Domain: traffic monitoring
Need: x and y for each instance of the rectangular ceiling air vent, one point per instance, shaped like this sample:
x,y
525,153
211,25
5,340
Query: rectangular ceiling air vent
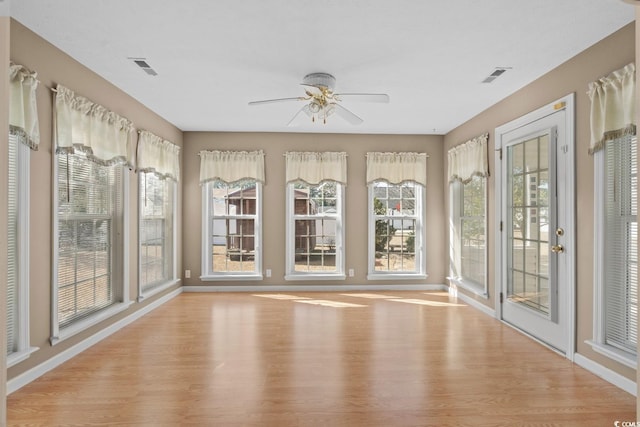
x,y
142,63
496,73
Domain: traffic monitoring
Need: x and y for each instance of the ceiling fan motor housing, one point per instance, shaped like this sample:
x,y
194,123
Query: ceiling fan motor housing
x,y
320,80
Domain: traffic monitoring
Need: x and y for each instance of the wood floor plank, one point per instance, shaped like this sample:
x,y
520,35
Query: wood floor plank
x,y
232,359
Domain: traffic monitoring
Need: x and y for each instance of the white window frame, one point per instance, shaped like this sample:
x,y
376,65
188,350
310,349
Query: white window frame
x,y
598,343
456,210
290,273
419,242
172,280
208,274
24,349
120,274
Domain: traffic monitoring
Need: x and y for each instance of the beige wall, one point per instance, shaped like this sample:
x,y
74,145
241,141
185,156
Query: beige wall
x,y
274,146
4,156
53,67
573,76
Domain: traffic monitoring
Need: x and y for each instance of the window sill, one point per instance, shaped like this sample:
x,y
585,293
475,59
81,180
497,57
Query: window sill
x,y
20,356
470,286
157,289
90,321
300,276
613,353
227,277
397,276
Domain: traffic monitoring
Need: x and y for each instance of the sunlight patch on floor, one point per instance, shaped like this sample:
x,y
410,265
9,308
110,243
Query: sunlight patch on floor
x,y
370,296
327,303
280,296
430,303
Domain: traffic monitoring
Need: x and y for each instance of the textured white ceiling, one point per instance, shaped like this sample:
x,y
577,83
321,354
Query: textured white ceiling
x,y
213,57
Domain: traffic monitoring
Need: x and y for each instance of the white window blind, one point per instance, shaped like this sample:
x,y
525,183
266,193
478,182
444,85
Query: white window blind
x,y
89,205
12,243
156,230
621,244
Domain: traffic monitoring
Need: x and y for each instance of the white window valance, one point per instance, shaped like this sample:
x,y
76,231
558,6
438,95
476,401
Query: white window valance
x,y
613,101
314,168
231,166
469,159
90,128
158,156
23,111
397,168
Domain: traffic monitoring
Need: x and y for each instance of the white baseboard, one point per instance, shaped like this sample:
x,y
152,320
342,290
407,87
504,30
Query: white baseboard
x,y
314,288
607,374
472,302
26,377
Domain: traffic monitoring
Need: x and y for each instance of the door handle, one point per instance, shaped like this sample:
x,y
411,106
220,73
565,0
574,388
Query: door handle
x,y
557,249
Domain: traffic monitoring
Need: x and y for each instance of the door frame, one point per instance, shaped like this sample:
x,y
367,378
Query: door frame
x,y
568,104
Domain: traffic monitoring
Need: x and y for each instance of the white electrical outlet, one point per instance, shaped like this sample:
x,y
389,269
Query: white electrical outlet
x,y
268,272
352,272
187,274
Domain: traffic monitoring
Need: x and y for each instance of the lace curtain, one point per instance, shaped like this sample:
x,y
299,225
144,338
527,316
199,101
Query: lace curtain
x,y
468,160
90,128
158,156
397,167
313,168
612,107
231,166
23,111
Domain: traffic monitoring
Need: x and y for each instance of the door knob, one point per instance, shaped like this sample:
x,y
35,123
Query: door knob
x,y
557,249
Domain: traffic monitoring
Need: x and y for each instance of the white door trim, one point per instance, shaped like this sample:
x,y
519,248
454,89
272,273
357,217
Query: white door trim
x,y
568,104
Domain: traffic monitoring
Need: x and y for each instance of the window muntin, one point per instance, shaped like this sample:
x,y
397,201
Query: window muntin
x,y
156,208
233,228
396,228
89,212
315,239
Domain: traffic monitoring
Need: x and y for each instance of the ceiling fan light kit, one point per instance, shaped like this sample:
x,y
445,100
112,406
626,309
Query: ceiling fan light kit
x,y
323,102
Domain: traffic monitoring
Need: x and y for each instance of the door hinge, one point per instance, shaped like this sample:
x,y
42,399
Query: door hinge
x,y
500,153
500,225
501,299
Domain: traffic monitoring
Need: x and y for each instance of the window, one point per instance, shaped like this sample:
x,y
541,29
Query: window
x,y
90,220
396,206
24,133
18,251
233,246
468,238
614,145
617,282
315,232
467,170
91,232
396,229
157,232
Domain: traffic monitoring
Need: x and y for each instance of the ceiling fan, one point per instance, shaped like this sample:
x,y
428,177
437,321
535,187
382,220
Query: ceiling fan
x,y
323,101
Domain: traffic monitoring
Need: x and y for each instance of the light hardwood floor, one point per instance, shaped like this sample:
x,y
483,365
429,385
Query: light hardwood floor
x,y
229,359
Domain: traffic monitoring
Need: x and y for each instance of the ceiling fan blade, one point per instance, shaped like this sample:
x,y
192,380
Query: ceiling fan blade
x,y
364,97
305,110
347,115
271,101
